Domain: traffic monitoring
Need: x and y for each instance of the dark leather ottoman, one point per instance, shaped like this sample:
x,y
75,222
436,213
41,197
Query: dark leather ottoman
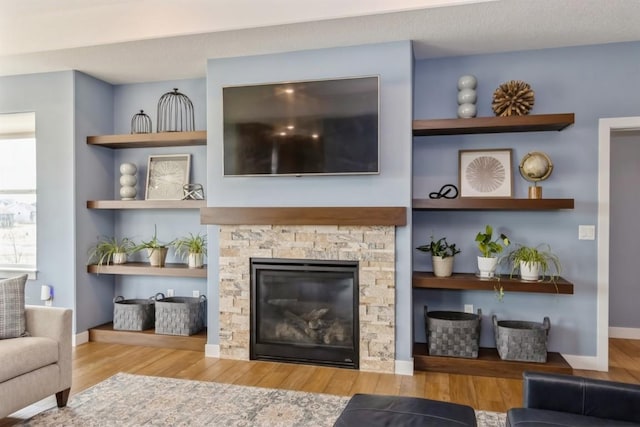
x,y
376,411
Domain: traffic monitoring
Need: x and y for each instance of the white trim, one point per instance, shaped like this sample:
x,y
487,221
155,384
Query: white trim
x,y
404,367
590,363
625,333
605,127
81,338
212,350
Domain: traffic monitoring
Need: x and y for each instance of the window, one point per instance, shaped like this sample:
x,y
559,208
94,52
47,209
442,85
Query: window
x,y
17,194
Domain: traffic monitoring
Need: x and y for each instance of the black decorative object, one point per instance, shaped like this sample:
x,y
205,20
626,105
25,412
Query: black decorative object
x,y
141,123
445,192
175,113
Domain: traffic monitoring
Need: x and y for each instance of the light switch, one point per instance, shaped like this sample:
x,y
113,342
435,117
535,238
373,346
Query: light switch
x,y
586,232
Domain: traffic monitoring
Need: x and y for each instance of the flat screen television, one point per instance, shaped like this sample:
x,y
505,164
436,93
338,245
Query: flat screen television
x,y
302,128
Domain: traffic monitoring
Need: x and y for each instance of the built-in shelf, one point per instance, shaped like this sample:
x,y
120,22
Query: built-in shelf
x,y
106,334
470,203
487,364
304,216
477,125
470,282
145,269
146,204
147,140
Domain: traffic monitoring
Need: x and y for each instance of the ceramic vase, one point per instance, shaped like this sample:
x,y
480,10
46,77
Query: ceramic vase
x,y
530,271
195,260
157,256
487,266
442,267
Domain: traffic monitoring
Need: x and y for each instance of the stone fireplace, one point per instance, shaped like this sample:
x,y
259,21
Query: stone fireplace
x,y
372,247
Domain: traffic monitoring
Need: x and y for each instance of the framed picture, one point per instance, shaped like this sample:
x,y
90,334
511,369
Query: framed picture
x,y
166,175
485,173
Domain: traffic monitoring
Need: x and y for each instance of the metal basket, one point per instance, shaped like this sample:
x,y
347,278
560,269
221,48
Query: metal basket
x,y
180,315
521,341
133,314
453,333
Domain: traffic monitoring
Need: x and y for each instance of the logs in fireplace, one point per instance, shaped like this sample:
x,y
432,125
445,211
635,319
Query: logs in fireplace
x,y
305,311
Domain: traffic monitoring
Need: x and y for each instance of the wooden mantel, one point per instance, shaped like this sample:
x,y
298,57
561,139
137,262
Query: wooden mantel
x,y
387,215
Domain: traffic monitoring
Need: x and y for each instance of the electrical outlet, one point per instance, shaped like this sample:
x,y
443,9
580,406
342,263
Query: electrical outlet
x,y
196,294
468,308
586,232
169,292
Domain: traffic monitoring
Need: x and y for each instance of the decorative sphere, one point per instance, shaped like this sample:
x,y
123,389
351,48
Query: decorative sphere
x,y
467,82
466,111
467,96
536,166
128,180
127,193
128,169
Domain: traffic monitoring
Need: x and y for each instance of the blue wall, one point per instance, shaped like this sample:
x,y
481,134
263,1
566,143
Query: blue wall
x,y
393,63
591,81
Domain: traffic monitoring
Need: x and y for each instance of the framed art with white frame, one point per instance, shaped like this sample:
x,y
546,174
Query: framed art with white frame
x,y
167,174
485,173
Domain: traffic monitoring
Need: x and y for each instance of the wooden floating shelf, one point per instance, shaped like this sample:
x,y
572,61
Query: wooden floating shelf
x,y
470,282
304,216
146,204
148,140
477,125
487,364
471,203
144,269
105,333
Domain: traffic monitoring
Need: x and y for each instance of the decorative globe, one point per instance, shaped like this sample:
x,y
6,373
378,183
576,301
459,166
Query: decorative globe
x,y
536,166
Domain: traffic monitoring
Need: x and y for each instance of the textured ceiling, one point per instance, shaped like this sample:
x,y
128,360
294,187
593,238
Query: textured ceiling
x,y
470,28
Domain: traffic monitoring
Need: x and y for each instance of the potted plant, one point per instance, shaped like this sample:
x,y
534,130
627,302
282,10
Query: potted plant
x,y
489,249
156,251
534,262
442,255
111,250
193,247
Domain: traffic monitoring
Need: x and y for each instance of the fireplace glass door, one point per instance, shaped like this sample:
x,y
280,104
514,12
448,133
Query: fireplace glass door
x,y
305,311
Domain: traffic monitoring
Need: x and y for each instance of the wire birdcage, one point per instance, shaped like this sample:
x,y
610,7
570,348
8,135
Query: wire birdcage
x,y
175,113
141,123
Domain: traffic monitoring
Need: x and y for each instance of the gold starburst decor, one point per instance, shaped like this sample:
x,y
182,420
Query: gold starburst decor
x,y
513,98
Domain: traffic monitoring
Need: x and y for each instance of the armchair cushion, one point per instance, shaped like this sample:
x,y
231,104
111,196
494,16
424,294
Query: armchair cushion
x,y
12,317
20,356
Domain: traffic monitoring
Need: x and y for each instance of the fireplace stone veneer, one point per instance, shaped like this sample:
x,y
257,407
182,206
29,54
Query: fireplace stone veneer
x,y
372,246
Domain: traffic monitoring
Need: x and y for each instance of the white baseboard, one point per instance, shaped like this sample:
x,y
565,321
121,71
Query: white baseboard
x,y
212,350
589,363
81,338
404,367
626,333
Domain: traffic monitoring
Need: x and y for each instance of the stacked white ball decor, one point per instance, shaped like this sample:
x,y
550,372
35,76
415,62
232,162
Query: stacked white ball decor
x,y
467,96
128,181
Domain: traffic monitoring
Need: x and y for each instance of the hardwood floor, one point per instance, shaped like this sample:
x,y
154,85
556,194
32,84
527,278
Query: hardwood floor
x,y
94,362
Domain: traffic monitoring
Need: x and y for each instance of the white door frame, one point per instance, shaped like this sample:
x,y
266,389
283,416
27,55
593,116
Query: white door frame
x,y
606,126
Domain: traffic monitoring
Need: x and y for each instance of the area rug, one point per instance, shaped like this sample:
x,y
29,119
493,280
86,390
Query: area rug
x,y
136,400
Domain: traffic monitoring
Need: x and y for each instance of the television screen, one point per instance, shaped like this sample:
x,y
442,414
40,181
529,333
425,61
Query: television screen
x,y
302,128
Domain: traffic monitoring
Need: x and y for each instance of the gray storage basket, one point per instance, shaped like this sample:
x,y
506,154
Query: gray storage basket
x,y
180,315
521,341
453,333
133,314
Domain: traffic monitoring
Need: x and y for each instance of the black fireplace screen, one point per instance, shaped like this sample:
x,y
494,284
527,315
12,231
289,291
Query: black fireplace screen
x,y
305,311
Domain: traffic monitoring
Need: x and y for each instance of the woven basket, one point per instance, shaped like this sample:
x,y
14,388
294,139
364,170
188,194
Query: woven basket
x,y
180,315
133,314
521,341
453,333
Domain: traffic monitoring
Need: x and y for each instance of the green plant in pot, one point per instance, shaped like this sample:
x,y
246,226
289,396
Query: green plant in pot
x,y
193,248
156,250
111,251
534,263
442,255
489,248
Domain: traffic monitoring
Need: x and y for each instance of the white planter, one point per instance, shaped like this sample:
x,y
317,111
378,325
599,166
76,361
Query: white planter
x,y
119,258
195,260
530,271
157,256
442,267
487,266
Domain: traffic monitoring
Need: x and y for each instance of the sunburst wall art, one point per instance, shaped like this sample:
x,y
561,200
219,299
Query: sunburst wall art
x,y
485,173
